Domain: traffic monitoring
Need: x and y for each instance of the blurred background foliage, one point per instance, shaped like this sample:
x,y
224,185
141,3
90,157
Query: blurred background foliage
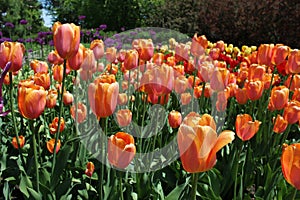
x,y
234,21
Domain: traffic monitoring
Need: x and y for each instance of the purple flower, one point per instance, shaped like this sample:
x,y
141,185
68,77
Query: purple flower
x,y
9,24
29,40
88,32
103,26
3,74
29,50
51,43
21,40
81,17
109,42
1,34
23,21
122,28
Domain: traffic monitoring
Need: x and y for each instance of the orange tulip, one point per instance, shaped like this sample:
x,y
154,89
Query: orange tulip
x,y
98,48
51,98
181,52
21,140
68,98
241,95
245,127
296,95
39,66
90,167
144,47
58,72
103,98
124,117
89,62
54,58
111,54
54,125
11,52
254,89
75,61
219,79
293,63
280,53
66,38
81,112
50,145
280,124
42,79
279,98
131,59
221,103
199,44
174,119
154,99
122,99
295,82
158,80
264,54
291,112
256,72
198,144
158,58
121,149
31,99
290,159
185,98
180,84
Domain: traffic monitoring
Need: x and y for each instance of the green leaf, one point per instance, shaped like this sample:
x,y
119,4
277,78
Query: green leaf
x,y
177,190
61,162
34,194
25,183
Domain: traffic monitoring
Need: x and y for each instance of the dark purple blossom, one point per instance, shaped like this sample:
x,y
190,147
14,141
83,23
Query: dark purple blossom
x,y
81,17
88,32
21,40
23,21
9,24
103,26
29,50
51,43
29,40
5,39
1,34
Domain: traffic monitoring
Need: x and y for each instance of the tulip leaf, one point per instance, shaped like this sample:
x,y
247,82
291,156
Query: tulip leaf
x,y
61,162
34,194
25,183
176,192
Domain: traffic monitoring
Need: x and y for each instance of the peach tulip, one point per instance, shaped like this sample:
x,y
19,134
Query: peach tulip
x,y
245,127
121,149
98,48
124,117
11,52
174,119
198,144
66,38
31,99
81,112
290,159
39,66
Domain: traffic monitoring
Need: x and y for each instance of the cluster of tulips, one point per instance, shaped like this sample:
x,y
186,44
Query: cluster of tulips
x,y
263,84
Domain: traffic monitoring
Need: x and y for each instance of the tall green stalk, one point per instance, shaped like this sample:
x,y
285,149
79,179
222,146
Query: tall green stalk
x,y
35,156
194,186
59,115
11,98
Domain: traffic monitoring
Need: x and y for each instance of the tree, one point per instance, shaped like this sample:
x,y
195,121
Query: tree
x,y
13,11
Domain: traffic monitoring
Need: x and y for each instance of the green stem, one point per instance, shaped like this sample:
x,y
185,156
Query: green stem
x,y
59,115
13,116
236,171
294,194
194,186
35,156
121,186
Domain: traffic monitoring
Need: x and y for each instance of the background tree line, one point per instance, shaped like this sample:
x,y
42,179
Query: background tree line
x,y
234,21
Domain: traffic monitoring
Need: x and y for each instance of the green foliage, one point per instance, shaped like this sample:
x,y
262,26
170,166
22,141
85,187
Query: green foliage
x,y
14,11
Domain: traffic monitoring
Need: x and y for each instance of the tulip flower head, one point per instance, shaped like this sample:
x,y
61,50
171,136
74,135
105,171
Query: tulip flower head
x,y
121,149
90,167
21,140
290,159
245,127
198,142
